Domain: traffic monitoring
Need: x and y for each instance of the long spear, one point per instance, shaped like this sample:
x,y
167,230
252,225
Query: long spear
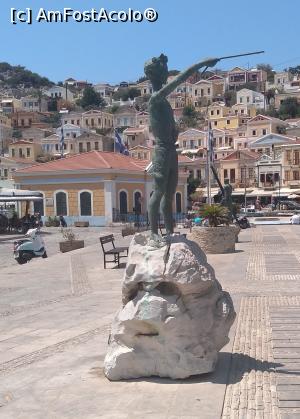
x,y
241,55
209,164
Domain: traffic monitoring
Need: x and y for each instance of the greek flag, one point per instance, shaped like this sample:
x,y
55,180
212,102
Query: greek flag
x,y
211,144
62,141
119,146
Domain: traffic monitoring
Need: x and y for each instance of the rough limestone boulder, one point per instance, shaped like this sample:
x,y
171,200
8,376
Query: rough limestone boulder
x,y
175,316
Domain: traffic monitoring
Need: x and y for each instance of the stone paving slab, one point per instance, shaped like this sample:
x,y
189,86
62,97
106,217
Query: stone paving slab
x,y
55,316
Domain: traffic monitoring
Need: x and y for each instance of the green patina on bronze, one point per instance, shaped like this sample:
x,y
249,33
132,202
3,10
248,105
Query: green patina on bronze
x,y
227,197
165,160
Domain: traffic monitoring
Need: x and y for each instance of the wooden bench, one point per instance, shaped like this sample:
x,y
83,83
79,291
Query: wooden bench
x,y
114,251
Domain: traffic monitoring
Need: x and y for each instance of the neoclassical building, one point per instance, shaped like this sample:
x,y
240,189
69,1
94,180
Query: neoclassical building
x,y
96,186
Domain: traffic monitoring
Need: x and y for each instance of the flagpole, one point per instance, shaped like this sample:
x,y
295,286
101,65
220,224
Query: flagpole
x,y
208,170
62,143
208,175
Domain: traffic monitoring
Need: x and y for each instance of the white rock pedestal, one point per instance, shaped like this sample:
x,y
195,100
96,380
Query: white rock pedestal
x,y
175,316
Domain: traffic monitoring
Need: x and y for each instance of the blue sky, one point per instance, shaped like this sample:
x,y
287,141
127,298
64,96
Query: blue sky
x,y
186,31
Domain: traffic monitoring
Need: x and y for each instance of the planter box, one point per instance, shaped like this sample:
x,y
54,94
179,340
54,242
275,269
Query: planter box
x,y
52,224
68,246
81,224
213,240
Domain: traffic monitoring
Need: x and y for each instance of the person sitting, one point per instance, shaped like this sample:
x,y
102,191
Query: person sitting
x,y
62,221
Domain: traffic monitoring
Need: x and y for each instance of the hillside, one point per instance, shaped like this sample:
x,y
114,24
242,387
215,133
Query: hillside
x,y
14,77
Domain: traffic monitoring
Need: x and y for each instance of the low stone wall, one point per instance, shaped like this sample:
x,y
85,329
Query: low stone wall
x,y
215,239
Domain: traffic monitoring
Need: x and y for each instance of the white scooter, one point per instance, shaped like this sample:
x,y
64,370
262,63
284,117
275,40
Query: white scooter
x,y
30,247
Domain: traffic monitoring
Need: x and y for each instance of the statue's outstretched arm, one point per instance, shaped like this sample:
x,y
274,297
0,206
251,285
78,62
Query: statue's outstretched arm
x,y
184,75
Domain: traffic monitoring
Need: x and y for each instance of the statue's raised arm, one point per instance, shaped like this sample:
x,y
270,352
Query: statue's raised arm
x,y
184,75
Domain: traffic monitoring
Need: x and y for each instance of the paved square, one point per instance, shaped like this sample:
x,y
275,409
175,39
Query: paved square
x,y
55,316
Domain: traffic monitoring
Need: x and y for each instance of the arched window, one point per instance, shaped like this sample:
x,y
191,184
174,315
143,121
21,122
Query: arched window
x,y
85,203
137,199
61,203
123,202
178,202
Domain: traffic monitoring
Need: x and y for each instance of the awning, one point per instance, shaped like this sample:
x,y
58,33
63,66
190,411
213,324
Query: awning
x,y
261,192
249,193
20,199
191,151
17,195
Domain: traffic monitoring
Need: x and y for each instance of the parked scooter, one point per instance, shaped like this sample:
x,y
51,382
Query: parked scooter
x,y
31,247
243,222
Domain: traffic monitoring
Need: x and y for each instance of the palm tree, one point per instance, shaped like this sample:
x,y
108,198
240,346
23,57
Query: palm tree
x,y
216,214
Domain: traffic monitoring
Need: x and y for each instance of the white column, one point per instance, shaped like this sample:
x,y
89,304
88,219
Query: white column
x,y
110,199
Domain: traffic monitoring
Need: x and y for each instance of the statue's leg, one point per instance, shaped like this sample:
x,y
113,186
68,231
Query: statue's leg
x,y
160,178
167,199
154,205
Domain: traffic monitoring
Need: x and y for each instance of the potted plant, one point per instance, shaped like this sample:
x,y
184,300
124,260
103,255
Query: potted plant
x,y
217,236
52,222
70,242
48,222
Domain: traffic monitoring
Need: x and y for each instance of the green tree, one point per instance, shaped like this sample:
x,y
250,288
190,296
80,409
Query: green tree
x,y
133,92
16,133
192,185
113,109
290,108
126,93
270,94
268,69
189,116
52,105
141,79
281,130
54,119
91,99
230,98
293,70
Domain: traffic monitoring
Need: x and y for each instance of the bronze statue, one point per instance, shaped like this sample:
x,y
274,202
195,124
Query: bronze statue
x,y
227,197
165,160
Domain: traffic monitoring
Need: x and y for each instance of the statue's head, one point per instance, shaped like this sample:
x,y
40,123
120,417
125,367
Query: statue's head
x,y
156,70
226,181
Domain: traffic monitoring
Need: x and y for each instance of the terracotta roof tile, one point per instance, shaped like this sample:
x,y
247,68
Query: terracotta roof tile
x,y
238,154
89,161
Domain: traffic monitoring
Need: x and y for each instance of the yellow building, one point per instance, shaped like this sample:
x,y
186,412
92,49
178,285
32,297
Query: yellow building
x,y
220,116
262,125
228,122
99,187
23,149
290,160
91,119
240,168
141,152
